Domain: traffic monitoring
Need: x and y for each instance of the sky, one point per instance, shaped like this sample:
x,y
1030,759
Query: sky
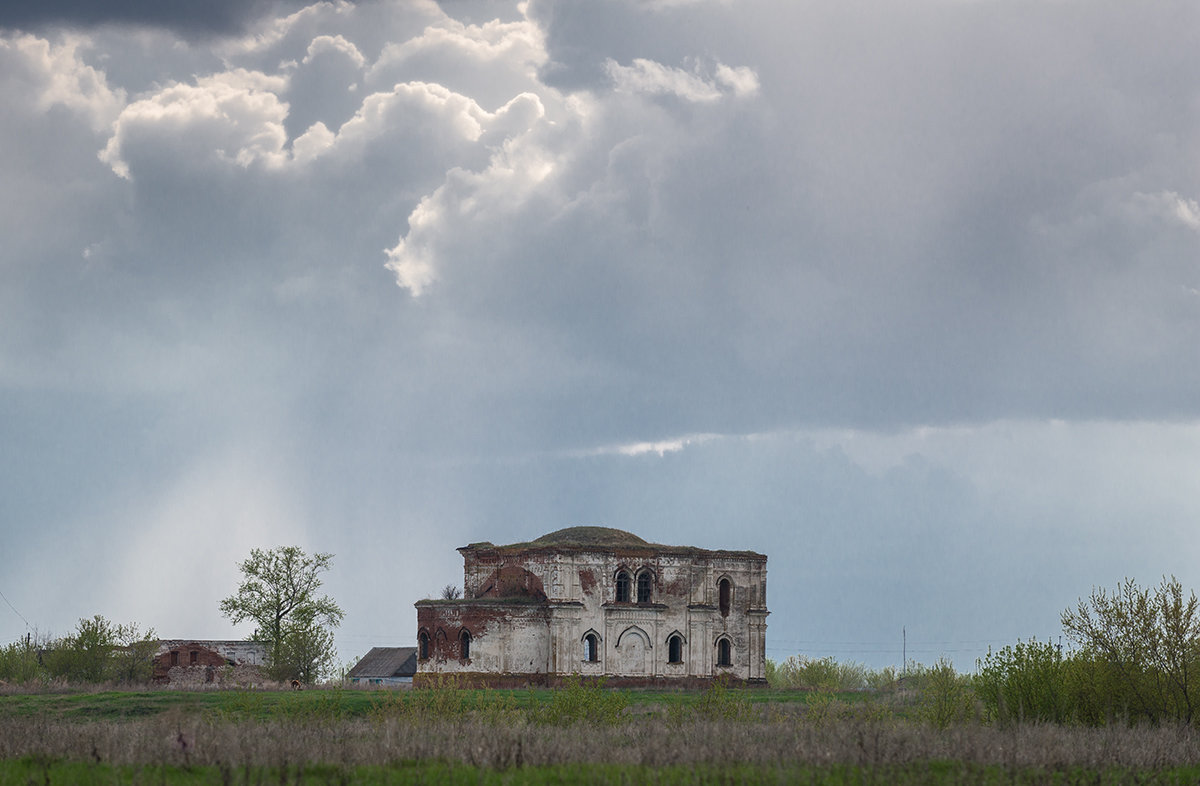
x,y
905,296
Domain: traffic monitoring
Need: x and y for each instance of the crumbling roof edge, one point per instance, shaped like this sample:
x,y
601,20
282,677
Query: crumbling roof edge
x,y
533,547
524,600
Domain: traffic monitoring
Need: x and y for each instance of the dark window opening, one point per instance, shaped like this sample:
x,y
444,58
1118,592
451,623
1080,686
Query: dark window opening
x,y
643,586
193,657
464,645
675,649
423,645
591,648
724,653
175,658
622,587
725,596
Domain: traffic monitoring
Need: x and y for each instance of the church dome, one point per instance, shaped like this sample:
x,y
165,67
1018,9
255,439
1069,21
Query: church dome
x,y
605,537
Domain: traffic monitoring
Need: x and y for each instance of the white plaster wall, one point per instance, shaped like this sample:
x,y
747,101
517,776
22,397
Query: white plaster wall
x,y
684,600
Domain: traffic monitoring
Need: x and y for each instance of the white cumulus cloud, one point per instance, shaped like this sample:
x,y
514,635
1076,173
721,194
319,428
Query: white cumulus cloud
x,y
235,116
650,77
60,77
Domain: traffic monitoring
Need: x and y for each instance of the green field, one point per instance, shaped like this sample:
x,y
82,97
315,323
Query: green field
x,y
336,702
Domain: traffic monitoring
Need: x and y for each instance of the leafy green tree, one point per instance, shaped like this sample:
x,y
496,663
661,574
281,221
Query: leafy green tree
x,y
133,654
101,651
84,655
1150,638
279,594
306,651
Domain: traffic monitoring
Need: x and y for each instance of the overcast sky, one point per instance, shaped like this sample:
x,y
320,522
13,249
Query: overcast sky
x,y
904,295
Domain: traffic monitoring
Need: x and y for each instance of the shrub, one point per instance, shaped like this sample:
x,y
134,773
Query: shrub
x,y
20,664
944,697
581,700
1025,681
806,673
721,703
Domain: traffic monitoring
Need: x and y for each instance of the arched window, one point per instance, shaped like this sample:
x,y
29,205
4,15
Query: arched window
x,y
724,595
675,648
724,653
423,645
591,648
464,645
622,587
644,581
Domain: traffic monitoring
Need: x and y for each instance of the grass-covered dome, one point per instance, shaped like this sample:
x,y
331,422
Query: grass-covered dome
x,y
590,536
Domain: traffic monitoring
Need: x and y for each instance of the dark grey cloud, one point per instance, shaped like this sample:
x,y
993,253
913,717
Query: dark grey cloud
x,y
188,18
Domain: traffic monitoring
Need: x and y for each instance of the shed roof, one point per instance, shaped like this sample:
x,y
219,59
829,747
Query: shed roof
x,y
383,662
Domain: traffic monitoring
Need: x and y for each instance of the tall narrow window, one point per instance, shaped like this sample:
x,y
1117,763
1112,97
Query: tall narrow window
x,y
174,657
724,653
591,648
193,657
724,596
622,587
675,648
423,645
643,586
464,645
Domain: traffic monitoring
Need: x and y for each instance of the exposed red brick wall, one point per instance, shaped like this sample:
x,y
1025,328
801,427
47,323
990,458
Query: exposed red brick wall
x,y
513,581
204,657
587,581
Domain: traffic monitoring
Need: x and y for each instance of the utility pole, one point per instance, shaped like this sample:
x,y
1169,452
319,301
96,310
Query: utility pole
x,y
904,652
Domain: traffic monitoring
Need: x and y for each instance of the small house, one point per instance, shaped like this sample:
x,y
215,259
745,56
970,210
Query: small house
x,y
385,666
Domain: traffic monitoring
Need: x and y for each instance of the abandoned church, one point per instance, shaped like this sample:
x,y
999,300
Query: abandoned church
x,y
601,602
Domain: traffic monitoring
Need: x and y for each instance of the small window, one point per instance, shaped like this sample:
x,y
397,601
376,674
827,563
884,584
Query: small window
x,y
193,657
464,645
591,648
423,645
724,653
643,586
724,596
174,657
675,648
622,587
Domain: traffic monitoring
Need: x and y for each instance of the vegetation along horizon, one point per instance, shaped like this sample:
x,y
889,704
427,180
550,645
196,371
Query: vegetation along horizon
x,y
1118,705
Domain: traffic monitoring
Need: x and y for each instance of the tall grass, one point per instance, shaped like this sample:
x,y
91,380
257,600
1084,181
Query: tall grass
x,y
761,740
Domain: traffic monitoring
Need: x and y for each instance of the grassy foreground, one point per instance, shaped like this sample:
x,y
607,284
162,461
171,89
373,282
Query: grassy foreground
x,y
579,734
33,771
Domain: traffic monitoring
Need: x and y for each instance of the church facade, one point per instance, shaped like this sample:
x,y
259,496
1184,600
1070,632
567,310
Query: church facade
x,y
599,602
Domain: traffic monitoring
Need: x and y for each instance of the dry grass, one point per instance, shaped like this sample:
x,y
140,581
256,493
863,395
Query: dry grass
x,y
176,738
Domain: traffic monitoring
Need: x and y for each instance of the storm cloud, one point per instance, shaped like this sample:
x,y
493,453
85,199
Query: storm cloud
x,y
184,17
905,297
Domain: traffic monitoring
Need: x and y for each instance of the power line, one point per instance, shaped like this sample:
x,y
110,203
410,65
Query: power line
x,y
14,608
